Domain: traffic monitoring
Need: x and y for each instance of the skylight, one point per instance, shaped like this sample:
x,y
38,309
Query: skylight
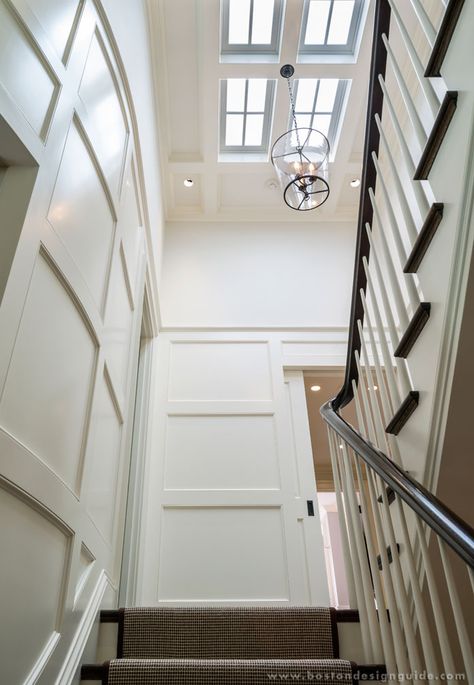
x,y
250,27
319,105
330,26
246,106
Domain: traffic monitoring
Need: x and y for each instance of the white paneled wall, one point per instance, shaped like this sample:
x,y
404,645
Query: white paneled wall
x,y
70,322
231,470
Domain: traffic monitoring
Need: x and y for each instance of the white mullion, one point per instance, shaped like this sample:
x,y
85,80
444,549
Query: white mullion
x,y
244,127
250,22
329,23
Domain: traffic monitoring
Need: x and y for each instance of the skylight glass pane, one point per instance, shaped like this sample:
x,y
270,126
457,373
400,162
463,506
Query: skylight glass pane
x,y
305,94
318,14
340,22
254,129
326,94
304,120
321,123
256,95
235,95
239,20
234,128
262,22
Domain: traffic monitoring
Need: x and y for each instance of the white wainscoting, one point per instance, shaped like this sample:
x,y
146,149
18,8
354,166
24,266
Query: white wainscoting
x,y
70,318
230,472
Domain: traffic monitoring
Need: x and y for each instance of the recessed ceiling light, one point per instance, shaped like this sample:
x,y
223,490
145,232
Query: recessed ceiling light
x,y
355,183
315,388
341,447
188,182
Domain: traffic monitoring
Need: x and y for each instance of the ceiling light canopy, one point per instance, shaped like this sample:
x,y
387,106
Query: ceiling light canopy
x,y
300,157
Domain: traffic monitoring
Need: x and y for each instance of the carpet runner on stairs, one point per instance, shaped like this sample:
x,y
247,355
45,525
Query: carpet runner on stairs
x,y
225,646
227,671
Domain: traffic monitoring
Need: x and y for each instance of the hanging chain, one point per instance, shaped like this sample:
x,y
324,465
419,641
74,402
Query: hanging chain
x,y
293,113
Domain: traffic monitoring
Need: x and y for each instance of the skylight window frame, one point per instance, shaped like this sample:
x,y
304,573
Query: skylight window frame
x,y
336,112
249,49
267,120
342,49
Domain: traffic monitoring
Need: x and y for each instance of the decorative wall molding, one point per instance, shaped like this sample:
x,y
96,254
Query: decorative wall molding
x,y
73,658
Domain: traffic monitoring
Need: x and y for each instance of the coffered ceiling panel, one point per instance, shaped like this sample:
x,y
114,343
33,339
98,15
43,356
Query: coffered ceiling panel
x,y
190,70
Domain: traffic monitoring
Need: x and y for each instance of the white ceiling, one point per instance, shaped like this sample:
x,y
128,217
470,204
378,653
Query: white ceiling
x,y
185,42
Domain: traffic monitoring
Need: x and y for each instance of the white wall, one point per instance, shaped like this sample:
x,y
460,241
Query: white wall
x,y
70,324
230,469
257,274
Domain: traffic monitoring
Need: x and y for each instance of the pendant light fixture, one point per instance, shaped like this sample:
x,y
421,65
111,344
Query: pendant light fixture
x,y
300,157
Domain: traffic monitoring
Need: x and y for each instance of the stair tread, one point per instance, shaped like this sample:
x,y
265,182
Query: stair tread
x,y
224,671
223,632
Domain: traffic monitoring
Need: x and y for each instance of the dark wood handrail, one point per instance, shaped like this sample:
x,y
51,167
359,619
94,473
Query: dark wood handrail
x,y
451,528
368,180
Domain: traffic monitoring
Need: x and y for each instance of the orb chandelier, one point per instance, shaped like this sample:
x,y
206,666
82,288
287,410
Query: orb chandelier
x,y
300,157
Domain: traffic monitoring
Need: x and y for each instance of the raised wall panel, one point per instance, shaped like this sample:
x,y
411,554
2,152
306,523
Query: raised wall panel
x,y
57,19
118,322
204,549
102,460
99,94
223,371
46,393
32,574
22,73
81,216
221,452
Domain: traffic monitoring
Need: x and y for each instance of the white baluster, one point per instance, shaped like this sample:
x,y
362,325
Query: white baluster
x,y
360,417
406,212
425,22
343,527
425,84
362,388
347,475
387,406
443,638
463,633
418,187
422,619
413,115
408,279
471,577
366,380
395,623
400,306
393,389
397,574
402,371
355,564
420,611
386,635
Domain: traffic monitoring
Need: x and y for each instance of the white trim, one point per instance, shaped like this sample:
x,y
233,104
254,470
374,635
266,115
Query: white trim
x,y
40,664
78,644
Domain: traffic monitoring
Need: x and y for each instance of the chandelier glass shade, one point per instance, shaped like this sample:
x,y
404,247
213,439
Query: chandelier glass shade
x,y
300,158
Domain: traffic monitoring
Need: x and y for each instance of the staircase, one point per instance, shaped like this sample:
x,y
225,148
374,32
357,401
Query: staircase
x,y
409,559
201,645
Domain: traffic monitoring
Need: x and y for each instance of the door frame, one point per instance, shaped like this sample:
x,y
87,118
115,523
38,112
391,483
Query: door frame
x,y
128,588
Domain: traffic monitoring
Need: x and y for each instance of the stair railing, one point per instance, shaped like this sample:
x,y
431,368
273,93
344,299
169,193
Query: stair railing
x,y
400,542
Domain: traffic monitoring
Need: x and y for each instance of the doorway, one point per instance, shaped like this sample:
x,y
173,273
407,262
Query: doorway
x,y
321,386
